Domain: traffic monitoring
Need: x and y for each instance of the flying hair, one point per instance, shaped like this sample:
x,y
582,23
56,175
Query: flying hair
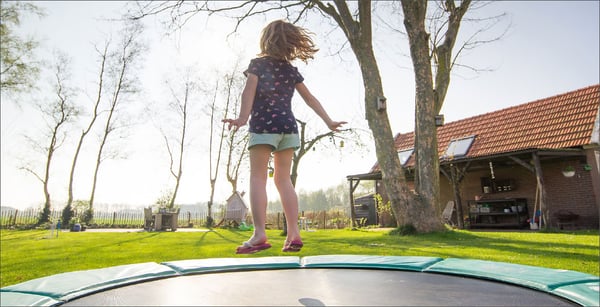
x,y
285,41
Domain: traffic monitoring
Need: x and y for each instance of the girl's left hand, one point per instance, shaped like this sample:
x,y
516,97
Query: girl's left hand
x,y
335,126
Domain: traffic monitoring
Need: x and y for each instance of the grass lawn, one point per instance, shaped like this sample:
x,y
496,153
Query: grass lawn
x,y
30,254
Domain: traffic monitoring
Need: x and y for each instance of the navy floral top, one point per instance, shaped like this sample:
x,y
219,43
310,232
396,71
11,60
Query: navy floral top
x,y
272,108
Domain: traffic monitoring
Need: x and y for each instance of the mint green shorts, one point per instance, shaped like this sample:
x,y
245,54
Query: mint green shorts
x,y
277,141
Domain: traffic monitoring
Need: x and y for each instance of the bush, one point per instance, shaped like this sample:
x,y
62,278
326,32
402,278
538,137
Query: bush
x,y
44,216
67,215
87,216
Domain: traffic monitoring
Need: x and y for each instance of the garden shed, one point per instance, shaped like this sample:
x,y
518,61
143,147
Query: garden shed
x,y
533,162
236,209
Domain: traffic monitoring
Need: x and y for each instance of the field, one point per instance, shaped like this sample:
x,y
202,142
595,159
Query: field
x,y
29,254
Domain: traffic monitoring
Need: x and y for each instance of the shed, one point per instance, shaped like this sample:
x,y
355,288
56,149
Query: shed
x,y
236,209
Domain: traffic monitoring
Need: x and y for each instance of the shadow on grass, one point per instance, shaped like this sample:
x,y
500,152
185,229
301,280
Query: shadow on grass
x,y
219,233
9,235
463,244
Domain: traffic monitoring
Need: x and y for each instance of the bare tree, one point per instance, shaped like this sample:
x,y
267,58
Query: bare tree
x,y
103,54
181,106
306,145
236,142
57,113
430,93
214,173
123,79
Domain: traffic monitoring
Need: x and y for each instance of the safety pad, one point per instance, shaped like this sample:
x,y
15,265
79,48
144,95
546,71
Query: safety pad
x,y
66,286
408,263
26,299
585,294
539,278
232,264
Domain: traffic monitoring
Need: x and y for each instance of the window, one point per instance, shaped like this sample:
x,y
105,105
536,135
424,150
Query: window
x,y
404,155
459,147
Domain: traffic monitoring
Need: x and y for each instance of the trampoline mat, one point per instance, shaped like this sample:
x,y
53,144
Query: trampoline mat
x,y
320,287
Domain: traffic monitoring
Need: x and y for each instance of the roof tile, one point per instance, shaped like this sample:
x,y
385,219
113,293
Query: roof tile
x,y
562,121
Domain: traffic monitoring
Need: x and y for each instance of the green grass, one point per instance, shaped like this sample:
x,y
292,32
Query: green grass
x,y
30,254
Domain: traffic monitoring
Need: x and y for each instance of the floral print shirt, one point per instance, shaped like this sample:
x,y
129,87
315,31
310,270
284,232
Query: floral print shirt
x,y
272,107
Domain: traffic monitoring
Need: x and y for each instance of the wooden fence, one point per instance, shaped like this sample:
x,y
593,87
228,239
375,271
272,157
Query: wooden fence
x,y
331,219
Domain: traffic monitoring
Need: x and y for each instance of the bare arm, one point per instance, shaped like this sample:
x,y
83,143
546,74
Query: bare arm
x,y
314,104
247,102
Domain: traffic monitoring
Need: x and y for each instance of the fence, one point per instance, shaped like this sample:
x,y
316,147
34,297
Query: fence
x,y
331,219
102,219
325,219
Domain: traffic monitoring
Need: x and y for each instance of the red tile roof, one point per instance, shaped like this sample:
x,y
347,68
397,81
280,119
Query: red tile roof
x,y
558,122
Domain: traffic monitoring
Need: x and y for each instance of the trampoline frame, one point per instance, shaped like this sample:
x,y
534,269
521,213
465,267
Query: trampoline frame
x,y
55,290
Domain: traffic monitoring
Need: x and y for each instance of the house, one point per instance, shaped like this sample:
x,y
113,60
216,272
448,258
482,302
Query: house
x,y
534,162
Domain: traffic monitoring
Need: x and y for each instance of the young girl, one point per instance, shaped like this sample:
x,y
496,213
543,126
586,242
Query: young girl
x,y
267,100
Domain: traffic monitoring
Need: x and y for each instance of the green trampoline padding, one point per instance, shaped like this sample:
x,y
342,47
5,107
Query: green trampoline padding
x,y
66,286
406,263
232,264
543,279
577,287
26,299
584,294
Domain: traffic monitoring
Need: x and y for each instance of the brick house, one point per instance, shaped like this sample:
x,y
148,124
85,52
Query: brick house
x,y
514,165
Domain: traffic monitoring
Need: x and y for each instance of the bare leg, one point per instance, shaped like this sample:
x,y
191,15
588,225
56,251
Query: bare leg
x,y
287,193
259,160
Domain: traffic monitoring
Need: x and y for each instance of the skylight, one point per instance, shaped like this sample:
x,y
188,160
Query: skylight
x,y
404,155
459,147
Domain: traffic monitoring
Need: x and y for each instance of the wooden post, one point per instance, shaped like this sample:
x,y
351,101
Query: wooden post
x,y
353,187
539,177
457,199
455,177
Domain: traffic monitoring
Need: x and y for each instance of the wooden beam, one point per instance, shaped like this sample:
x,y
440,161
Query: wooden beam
x,y
524,164
353,187
568,153
445,173
463,171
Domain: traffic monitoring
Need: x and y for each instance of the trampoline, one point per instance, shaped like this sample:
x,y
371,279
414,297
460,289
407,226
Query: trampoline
x,y
327,280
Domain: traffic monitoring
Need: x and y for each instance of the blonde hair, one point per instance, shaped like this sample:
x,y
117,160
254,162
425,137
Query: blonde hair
x,y
285,41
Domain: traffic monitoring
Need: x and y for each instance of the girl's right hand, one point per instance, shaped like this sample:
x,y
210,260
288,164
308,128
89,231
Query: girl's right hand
x,y
235,123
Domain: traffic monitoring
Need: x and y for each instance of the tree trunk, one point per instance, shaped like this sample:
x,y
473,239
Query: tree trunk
x,y
427,172
404,203
103,57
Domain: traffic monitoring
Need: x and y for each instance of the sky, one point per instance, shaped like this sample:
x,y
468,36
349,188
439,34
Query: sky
x,y
549,47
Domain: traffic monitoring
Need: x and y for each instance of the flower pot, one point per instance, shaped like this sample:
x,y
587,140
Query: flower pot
x,y
568,174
